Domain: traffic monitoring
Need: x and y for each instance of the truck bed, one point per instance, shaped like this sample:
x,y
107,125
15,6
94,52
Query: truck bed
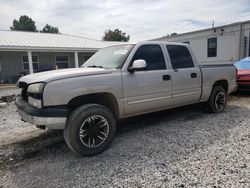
x,y
211,73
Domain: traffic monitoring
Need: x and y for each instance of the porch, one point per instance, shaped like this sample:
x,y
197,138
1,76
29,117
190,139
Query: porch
x,y
18,63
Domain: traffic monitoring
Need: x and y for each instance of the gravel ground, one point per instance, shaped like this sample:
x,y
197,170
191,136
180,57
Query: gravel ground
x,y
12,129
185,147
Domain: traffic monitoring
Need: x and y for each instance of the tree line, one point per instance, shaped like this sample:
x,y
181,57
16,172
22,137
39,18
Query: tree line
x,y
25,23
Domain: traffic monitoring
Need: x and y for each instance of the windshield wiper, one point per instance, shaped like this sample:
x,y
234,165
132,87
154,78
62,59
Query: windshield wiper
x,y
95,66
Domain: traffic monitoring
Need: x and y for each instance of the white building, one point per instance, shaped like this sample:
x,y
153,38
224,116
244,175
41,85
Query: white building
x,y
29,52
223,44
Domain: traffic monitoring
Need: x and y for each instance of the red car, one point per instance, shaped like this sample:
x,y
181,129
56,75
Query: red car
x,y
243,74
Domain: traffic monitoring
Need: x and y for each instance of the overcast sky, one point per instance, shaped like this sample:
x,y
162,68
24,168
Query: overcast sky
x,y
141,19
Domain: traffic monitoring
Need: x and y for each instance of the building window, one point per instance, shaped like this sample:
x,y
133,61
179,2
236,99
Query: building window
x,y
180,57
25,62
85,58
62,62
212,47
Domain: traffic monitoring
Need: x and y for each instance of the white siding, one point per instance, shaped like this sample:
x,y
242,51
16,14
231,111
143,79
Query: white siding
x,y
230,47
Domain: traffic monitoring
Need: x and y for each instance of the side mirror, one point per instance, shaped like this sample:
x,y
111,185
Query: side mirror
x,y
137,65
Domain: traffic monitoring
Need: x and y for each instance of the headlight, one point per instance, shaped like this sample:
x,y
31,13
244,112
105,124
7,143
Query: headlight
x,y
34,93
36,88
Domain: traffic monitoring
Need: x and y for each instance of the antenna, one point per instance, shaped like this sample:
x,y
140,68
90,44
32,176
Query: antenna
x,y
213,24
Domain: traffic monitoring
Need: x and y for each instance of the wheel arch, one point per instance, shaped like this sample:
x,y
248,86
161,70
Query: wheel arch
x,y
223,83
104,98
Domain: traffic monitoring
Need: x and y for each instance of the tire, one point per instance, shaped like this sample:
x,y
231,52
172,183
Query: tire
x,y
90,129
218,100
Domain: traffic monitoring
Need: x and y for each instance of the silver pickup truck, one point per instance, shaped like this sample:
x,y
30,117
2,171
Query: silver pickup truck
x,y
119,82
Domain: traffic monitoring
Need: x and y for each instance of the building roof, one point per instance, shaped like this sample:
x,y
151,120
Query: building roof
x,y
202,30
21,40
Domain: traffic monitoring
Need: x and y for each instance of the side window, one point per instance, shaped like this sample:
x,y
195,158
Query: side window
x,y
180,57
153,56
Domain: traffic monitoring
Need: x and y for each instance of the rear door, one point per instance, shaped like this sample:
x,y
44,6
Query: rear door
x,y
150,89
186,78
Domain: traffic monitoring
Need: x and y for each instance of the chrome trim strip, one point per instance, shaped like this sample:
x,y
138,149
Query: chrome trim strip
x,y
184,94
149,100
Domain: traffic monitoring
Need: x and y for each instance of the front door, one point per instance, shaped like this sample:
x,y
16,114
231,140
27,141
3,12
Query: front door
x,y
150,89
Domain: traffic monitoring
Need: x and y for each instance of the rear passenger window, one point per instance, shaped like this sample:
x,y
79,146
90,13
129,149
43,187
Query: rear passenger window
x,y
180,57
153,56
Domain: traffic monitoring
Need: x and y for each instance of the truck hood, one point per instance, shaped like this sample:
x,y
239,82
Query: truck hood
x,y
62,74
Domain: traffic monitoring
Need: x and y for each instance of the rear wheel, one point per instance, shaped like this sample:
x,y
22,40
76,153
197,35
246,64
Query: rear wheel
x,y
218,100
90,129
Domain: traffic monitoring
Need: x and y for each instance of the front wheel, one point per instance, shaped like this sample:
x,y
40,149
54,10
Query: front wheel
x,y
90,129
218,100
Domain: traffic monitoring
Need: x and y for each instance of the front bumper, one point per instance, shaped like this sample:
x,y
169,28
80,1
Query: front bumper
x,y
52,118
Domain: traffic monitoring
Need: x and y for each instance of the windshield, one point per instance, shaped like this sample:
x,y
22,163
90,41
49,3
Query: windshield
x,y
109,58
243,64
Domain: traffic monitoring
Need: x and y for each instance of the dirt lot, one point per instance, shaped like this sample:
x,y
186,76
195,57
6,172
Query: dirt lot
x,y
184,147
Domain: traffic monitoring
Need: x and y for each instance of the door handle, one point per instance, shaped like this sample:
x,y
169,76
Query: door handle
x,y
166,77
193,75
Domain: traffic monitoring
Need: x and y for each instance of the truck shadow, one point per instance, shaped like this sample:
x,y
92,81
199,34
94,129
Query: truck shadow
x,y
241,93
185,113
